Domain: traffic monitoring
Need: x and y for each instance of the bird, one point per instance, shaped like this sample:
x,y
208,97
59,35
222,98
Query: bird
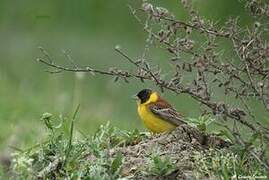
x,y
156,113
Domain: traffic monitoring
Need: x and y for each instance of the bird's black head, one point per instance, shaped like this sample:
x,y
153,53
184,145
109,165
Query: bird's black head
x,y
144,95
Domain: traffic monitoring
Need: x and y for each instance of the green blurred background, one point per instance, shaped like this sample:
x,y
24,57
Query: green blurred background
x,y
89,30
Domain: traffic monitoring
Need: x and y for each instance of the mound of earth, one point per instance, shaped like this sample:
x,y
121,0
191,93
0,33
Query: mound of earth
x,y
180,146
185,153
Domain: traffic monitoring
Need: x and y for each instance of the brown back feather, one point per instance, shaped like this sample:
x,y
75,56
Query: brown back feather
x,y
168,114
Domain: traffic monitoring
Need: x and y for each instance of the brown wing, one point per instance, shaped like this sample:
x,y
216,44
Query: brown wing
x,y
166,112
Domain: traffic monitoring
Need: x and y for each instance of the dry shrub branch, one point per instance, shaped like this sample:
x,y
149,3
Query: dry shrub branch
x,y
238,70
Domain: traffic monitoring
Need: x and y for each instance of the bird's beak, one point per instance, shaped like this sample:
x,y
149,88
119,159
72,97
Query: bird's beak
x,y
134,97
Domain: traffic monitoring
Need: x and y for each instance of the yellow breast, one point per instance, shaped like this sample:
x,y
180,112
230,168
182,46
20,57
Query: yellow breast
x,y
152,122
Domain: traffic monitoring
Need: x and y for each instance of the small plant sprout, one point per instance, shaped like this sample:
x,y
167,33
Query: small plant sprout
x,y
160,165
202,122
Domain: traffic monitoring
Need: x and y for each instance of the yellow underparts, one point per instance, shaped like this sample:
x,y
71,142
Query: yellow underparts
x,y
151,121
